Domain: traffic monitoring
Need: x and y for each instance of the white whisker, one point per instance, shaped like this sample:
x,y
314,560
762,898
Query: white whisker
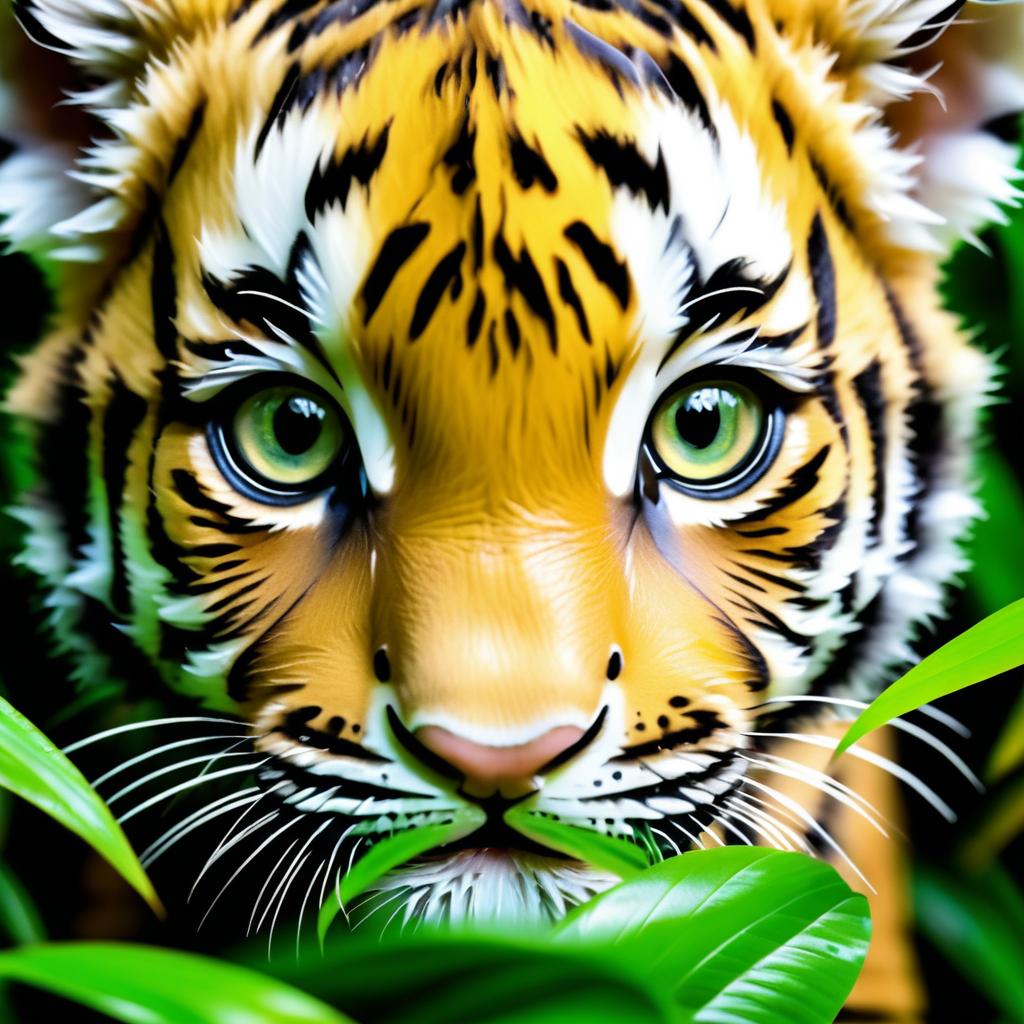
x,y
799,772
925,709
895,770
810,821
293,873
679,828
745,817
248,860
763,813
266,882
96,783
167,770
151,723
290,305
181,787
196,820
671,842
911,730
715,294
304,904
723,819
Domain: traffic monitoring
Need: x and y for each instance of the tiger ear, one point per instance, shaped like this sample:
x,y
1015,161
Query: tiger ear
x,y
947,82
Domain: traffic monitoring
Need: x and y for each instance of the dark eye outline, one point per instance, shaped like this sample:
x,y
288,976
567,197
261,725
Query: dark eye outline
x,y
761,455
249,482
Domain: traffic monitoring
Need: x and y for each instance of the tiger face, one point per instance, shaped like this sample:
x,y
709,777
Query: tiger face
x,y
497,403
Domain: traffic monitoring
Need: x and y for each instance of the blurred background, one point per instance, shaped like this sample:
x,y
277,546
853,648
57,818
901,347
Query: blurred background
x,y
968,877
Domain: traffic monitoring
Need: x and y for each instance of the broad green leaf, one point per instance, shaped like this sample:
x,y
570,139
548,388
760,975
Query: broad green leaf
x,y
19,919
146,985
34,769
619,856
993,646
391,853
736,934
978,923
445,977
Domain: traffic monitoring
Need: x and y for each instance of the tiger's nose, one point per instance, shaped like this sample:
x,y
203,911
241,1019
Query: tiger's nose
x,y
508,770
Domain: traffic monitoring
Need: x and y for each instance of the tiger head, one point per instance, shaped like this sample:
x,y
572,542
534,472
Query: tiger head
x,y
498,402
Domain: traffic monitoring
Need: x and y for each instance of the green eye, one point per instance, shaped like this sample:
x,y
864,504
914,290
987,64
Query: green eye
x,y
284,439
712,434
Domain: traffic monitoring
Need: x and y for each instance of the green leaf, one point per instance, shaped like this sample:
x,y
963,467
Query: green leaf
x,y
619,856
34,769
978,922
19,919
145,985
736,934
441,977
993,646
996,549
394,851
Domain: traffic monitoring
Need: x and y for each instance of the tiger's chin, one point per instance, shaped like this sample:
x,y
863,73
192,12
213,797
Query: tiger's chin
x,y
480,887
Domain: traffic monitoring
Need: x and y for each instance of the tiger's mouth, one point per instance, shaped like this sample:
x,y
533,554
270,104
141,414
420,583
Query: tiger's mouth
x,y
667,791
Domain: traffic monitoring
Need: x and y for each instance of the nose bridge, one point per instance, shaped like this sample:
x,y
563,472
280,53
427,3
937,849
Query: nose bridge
x,y
499,625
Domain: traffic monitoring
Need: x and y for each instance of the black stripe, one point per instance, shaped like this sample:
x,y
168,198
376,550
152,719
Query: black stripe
x,y
277,107
459,157
512,330
570,297
801,482
684,85
447,271
184,146
785,123
286,13
625,166
823,280
530,167
396,250
521,275
123,416
164,294
603,262
737,19
331,183
476,319
868,385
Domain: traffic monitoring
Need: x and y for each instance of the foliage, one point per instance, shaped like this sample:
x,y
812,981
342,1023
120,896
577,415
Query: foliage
x,y
34,769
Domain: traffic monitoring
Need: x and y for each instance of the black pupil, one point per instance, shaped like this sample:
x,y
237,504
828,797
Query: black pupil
x,y
697,425
297,424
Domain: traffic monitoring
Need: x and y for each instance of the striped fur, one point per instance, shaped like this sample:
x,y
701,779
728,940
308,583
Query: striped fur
x,y
494,234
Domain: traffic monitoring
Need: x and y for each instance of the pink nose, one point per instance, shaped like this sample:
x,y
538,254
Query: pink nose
x,y
488,769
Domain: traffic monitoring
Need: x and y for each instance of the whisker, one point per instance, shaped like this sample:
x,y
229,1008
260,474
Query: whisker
x,y
895,770
227,841
330,864
296,859
911,730
266,882
195,820
811,822
715,294
181,787
679,828
390,898
248,860
150,723
671,842
793,770
167,770
925,709
723,819
294,873
304,904
763,813
284,302
771,836
96,783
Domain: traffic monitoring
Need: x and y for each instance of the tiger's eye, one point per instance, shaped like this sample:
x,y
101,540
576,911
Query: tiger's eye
x,y
708,432
287,437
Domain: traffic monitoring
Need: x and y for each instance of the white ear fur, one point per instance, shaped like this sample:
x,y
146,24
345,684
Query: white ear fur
x,y
939,76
